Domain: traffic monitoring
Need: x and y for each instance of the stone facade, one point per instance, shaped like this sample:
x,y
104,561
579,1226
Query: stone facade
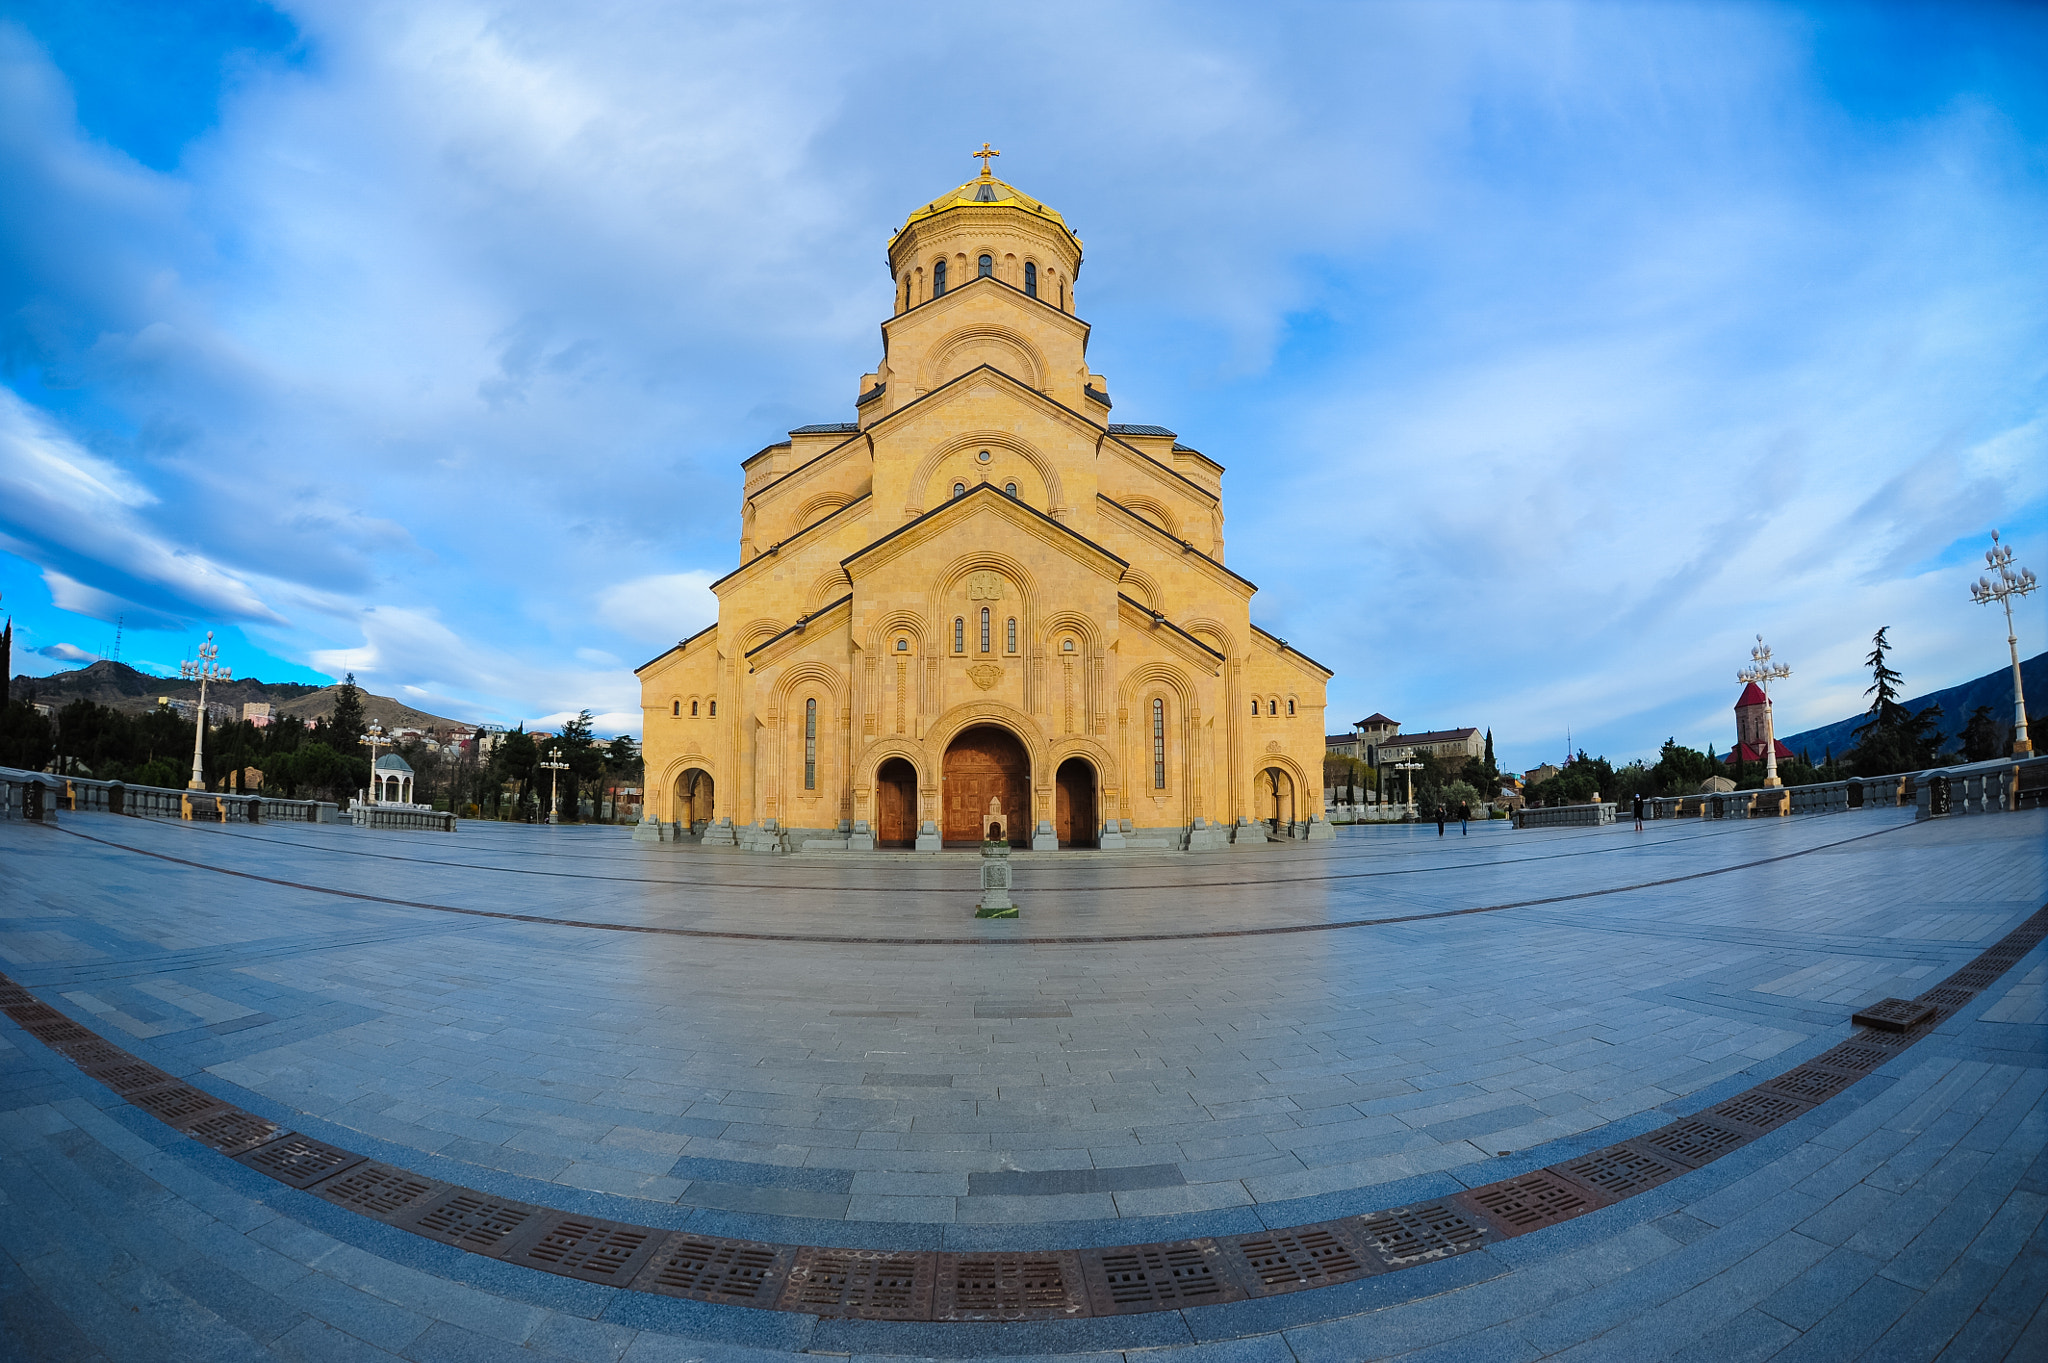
x,y
982,590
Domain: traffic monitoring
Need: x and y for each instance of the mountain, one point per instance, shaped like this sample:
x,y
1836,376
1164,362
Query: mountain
x,y
1957,704
120,687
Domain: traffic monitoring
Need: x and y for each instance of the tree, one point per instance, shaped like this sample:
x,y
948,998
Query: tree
x,y
1893,740
514,760
347,719
1983,737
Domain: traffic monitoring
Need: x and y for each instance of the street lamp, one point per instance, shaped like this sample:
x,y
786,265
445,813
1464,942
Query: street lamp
x,y
374,736
1411,768
1985,591
554,763
1762,671
202,670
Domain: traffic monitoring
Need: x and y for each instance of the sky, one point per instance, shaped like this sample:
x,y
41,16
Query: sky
x,y
1554,351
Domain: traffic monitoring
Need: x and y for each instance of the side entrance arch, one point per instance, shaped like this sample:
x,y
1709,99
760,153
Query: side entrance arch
x,y
693,804
1075,817
896,804
1276,799
986,762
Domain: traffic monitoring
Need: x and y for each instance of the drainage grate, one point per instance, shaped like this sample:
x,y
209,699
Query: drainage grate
x,y
127,1074
1410,1235
176,1104
595,1251
300,1161
232,1131
1948,996
376,1190
1307,1256
1694,1141
58,1031
1861,1056
31,1012
1533,1201
1978,975
88,1055
871,1284
1622,1170
1150,1277
13,996
1759,1109
1893,1015
471,1220
1811,1083
735,1271
1009,1286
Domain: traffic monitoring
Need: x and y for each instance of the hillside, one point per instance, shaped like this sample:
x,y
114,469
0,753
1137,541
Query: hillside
x,y
1957,704
120,687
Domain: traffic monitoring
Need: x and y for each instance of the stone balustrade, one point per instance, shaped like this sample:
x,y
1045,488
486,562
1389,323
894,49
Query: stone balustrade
x,y
1564,816
58,793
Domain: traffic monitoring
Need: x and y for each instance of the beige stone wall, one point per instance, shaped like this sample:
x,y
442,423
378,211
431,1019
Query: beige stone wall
x,y
1098,558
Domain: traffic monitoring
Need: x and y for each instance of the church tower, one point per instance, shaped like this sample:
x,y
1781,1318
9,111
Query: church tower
x,y
980,595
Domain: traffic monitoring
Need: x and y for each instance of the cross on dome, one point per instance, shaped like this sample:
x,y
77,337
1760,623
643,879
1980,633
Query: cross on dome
x,y
985,154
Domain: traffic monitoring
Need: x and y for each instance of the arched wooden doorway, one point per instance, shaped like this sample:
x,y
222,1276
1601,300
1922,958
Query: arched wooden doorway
x,y
984,763
1276,799
1074,818
693,800
896,804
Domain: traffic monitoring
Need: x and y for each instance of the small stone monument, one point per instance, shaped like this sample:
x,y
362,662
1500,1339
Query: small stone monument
x,y
995,875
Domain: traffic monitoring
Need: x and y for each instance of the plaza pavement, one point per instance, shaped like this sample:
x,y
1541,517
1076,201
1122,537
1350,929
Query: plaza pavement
x,y
831,1051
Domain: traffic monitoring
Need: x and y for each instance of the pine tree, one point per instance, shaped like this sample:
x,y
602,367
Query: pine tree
x,y
347,720
1885,712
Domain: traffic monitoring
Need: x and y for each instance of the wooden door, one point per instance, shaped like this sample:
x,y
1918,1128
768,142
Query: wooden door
x,y
986,763
1075,822
896,804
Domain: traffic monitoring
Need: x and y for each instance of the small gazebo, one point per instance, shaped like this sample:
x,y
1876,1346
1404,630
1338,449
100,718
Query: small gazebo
x,y
391,781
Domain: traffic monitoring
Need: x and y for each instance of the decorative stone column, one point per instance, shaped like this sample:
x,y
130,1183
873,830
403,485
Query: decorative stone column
x,y
995,879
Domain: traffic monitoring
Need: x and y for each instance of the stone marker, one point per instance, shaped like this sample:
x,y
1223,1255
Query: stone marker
x,y
995,876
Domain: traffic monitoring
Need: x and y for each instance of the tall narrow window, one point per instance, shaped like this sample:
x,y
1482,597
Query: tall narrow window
x,y
1009,489
938,279
984,629
714,709
1010,636
987,267
959,489
1290,705
1255,705
810,745
693,709
1159,745
959,635
678,710
906,291
1031,279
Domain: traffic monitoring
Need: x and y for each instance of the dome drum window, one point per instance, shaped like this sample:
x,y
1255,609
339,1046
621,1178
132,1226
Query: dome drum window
x,y
939,279
1030,279
810,745
986,267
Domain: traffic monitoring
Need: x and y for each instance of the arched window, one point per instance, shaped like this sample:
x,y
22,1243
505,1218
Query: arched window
x,y
714,709
1255,706
1066,645
987,267
906,291
959,634
1290,705
939,279
1158,745
1272,707
959,489
678,710
693,709
810,745
1010,636
984,629
903,645
1031,279
1009,489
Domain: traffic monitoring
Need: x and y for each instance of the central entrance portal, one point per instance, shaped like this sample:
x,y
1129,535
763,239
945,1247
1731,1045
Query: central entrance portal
x,y
1075,822
986,763
896,804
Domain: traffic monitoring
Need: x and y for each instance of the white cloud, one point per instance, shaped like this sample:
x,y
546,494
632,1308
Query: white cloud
x,y
660,609
68,653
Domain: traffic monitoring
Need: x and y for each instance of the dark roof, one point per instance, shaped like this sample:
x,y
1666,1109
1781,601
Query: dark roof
x,y
1179,448
1118,429
1377,718
1433,736
1332,740
828,428
1089,390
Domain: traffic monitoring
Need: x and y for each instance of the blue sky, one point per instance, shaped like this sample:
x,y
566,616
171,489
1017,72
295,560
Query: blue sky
x,y
1554,350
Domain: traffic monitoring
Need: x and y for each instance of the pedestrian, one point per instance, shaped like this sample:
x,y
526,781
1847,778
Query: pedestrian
x,y
1442,813
1639,811
1464,818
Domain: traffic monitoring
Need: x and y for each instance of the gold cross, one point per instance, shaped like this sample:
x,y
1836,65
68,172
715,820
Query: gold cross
x,y
985,154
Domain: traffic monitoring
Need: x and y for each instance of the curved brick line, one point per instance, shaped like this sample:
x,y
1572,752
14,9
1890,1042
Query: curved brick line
x,y
835,939
946,1286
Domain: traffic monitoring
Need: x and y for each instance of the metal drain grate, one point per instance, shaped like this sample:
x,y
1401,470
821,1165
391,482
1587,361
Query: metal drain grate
x,y
231,1131
871,1284
89,1054
1622,1170
1009,1286
376,1190
595,1251
471,1220
127,1074
1860,1056
1410,1235
1811,1083
300,1161
1949,996
1307,1256
1977,975
31,1012
1759,1109
1694,1141
1150,1277
1533,1201
1893,1015
736,1271
176,1104
58,1032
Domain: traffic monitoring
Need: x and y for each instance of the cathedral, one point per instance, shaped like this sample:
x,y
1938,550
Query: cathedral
x,y
981,608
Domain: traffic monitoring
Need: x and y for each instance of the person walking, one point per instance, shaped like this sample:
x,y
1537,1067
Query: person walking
x,y
1639,811
1464,818
1442,813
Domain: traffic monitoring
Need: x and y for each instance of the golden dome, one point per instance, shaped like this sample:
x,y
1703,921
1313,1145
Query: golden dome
x,y
985,190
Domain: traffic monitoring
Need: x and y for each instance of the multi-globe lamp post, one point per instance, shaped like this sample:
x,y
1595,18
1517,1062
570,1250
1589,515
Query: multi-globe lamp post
x,y
374,736
555,764
2003,589
1411,768
202,670
1763,672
